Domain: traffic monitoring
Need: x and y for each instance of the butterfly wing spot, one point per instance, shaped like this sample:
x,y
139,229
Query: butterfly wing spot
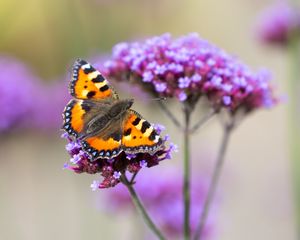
x,y
116,136
154,136
136,121
145,126
127,132
98,79
104,88
91,94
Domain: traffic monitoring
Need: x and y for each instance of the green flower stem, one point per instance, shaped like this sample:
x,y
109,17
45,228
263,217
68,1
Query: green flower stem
x,y
138,204
214,181
203,120
294,117
186,175
133,178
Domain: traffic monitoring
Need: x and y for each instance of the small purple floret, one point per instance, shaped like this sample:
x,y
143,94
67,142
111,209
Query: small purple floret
x,y
95,185
143,163
147,76
160,87
117,175
158,128
184,82
182,96
227,100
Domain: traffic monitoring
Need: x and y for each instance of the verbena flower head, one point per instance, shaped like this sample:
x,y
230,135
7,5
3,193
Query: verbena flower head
x,y
277,22
188,68
18,86
161,193
111,169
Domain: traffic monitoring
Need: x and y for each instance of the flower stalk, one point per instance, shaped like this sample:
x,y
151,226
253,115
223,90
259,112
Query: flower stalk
x,y
203,120
170,115
138,204
294,116
186,173
214,181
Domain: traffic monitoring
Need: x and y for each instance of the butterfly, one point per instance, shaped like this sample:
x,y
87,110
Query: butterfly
x,y
104,124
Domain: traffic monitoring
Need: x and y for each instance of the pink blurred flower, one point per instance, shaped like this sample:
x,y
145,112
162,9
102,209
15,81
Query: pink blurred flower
x,y
277,22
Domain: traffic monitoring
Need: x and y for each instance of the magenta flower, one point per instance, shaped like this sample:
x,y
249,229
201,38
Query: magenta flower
x,y
277,22
18,88
161,193
188,68
111,169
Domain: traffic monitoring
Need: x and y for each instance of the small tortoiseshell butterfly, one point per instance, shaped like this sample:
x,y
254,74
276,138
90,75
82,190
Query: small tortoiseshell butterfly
x,y
104,124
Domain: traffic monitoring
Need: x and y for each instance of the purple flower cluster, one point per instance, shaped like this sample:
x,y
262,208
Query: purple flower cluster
x,y
277,22
188,68
161,193
18,87
25,101
111,169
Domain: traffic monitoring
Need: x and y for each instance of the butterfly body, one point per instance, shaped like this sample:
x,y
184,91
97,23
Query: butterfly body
x,y
107,114
104,124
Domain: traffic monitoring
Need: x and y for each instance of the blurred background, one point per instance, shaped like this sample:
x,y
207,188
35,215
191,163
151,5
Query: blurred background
x,y
40,200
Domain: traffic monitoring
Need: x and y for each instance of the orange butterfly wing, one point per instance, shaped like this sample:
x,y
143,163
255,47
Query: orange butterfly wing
x,y
106,144
135,136
97,147
139,135
88,83
73,117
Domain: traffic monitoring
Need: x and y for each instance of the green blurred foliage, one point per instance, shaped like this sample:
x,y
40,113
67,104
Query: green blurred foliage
x,y
50,34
